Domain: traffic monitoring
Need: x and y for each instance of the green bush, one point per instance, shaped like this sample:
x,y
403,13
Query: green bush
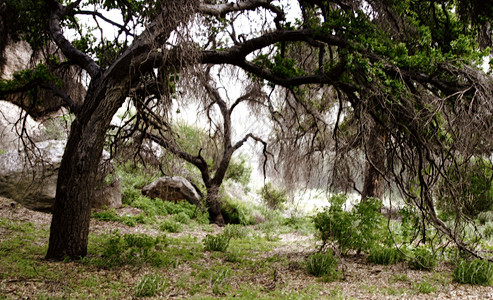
x,y
359,229
474,272
272,197
384,256
323,265
235,212
149,285
473,178
423,259
219,242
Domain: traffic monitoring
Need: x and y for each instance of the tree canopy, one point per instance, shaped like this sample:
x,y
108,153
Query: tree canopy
x,y
405,72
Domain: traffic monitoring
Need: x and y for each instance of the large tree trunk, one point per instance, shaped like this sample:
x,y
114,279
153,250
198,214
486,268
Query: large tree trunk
x,y
373,186
77,175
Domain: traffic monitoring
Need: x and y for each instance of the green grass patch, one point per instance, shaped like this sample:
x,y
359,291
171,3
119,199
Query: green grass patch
x,y
477,271
385,256
323,265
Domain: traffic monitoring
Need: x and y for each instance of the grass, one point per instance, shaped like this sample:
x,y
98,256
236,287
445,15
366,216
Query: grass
x,y
478,272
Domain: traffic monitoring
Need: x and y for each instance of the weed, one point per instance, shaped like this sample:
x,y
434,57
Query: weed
x,y
323,265
170,226
400,277
488,231
182,218
219,242
423,259
384,256
135,249
474,272
149,285
217,281
424,287
236,231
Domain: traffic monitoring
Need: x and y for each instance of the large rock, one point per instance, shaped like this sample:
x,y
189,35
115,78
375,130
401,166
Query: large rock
x,y
172,189
14,121
31,179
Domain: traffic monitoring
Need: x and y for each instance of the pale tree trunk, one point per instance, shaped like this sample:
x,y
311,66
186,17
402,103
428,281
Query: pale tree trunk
x,y
373,186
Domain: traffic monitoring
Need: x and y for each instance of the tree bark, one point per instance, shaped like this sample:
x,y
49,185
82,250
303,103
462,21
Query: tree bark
x,y
214,206
76,178
373,186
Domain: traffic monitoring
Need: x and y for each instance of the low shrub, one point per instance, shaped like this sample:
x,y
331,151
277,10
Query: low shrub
x,y
384,256
359,229
323,265
149,285
477,271
219,242
235,212
423,259
272,197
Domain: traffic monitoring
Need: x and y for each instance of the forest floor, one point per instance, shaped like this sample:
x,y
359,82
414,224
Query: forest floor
x,y
260,266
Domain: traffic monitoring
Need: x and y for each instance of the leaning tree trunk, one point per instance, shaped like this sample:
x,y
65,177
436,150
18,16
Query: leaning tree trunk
x,y
373,185
77,174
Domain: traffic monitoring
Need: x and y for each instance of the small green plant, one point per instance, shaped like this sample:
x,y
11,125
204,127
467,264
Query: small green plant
x,y
219,242
131,249
488,231
149,285
170,226
424,287
400,277
474,272
182,218
235,231
272,197
423,259
323,265
384,256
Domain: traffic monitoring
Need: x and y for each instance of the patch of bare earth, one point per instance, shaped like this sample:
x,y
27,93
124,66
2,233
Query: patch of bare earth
x,y
361,279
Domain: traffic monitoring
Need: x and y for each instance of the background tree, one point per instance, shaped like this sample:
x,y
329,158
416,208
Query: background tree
x,y
213,165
